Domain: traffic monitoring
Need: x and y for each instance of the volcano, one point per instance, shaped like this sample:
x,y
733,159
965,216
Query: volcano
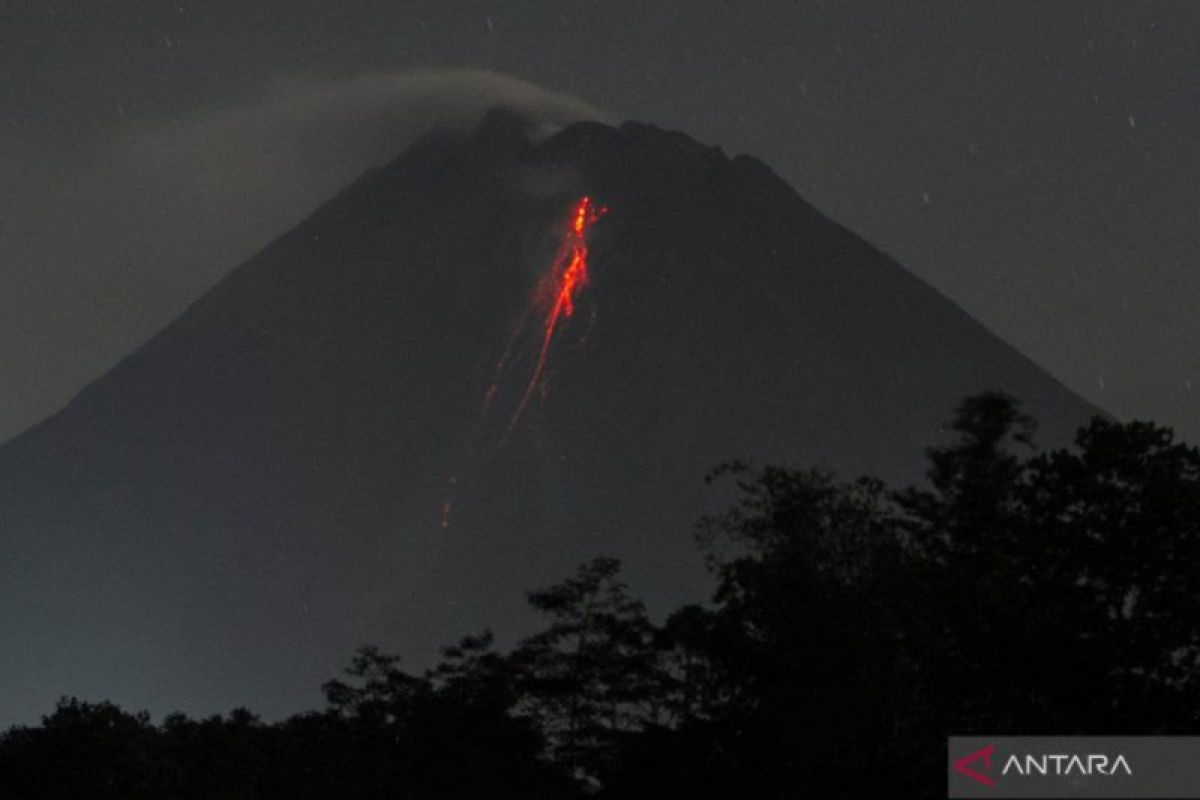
x,y
391,422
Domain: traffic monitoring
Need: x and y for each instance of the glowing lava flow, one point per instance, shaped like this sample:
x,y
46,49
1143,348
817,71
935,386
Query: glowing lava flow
x,y
565,279
553,299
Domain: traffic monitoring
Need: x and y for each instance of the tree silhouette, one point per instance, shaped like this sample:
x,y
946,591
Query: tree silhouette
x,y
853,628
810,610
447,733
592,674
80,750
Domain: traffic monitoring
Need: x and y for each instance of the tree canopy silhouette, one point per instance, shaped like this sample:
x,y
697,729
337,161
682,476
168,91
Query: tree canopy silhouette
x,y
853,628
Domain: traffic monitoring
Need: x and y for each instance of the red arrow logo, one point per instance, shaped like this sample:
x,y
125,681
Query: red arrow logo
x,y
962,768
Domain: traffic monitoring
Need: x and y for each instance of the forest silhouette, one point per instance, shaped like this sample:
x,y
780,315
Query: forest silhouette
x,y
854,627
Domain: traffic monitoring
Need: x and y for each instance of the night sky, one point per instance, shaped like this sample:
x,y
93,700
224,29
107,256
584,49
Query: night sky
x,y
1038,163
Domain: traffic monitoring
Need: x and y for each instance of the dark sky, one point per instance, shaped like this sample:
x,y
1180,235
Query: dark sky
x,y
1037,162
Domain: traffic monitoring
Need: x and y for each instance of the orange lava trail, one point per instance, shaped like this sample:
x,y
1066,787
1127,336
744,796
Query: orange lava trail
x,y
556,292
566,278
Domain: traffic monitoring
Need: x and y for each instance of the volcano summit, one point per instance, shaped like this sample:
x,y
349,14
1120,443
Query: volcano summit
x,y
391,422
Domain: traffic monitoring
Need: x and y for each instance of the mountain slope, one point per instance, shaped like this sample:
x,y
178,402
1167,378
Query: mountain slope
x,y
263,486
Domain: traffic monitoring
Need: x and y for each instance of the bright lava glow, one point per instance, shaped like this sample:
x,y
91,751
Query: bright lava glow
x,y
553,300
567,276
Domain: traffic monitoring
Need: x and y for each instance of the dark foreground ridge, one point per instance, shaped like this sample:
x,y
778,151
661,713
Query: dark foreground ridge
x,y
260,488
